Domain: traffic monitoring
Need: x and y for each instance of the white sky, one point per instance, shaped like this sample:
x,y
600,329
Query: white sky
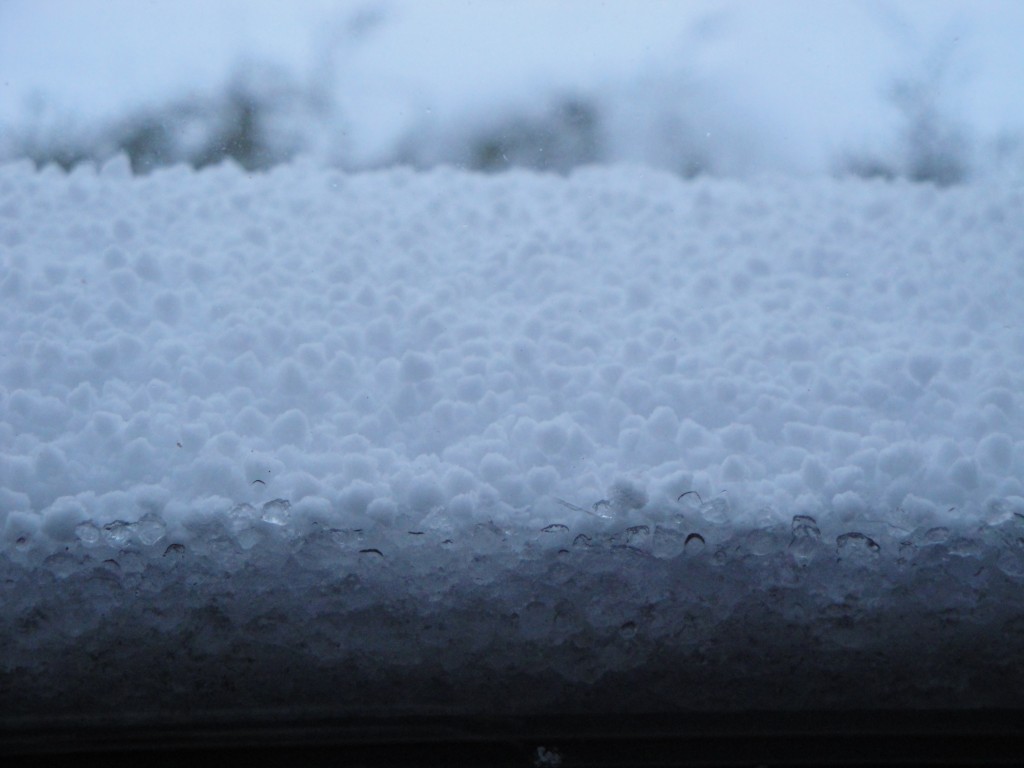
x,y
798,81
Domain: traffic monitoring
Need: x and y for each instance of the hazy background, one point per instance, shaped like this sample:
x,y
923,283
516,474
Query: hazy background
x,y
925,89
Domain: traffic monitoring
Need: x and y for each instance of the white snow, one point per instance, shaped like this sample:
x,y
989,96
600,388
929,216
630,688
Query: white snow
x,y
813,347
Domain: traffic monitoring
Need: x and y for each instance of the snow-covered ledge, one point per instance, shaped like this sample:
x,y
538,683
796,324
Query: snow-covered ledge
x,y
442,441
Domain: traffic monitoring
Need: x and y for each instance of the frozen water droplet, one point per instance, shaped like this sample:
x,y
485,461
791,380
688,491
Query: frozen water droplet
x,y
666,542
803,548
997,512
760,543
486,537
694,544
963,546
276,512
690,498
806,537
241,518
176,551
22,542
906,552
628,630
855,544
61,564
936,535
1012,564
581,540
637,534
805,526
87,533
150,529
248,538
117,533
555,528
715,511
244,511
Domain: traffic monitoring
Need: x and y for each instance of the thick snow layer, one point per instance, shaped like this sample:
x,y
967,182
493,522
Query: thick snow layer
x,y
392,349
582,423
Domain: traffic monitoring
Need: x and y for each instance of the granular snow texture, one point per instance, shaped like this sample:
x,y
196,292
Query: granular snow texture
x,y
439,440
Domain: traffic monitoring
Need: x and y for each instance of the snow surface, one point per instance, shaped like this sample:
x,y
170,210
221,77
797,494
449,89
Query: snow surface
x,y
450,424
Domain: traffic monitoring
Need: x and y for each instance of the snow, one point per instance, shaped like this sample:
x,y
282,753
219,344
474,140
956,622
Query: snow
x,y
433,441
407,426
617,324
